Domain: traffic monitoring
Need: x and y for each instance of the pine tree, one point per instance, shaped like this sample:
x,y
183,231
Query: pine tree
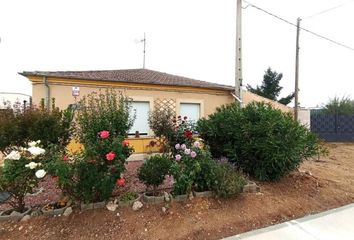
x,y
270,87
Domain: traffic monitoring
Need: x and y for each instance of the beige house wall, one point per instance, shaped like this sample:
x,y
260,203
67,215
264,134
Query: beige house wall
x,y
249,97
208,101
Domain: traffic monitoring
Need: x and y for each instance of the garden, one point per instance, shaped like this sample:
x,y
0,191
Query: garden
x,y
236,170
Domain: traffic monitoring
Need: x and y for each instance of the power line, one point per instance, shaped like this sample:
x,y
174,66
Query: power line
x,y
304,29
328,10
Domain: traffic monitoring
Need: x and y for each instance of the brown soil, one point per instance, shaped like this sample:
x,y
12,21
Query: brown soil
x,y
327,183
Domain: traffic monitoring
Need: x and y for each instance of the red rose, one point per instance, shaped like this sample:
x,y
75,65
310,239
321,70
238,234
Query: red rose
x,y
188,134
110,156
125,143
120,182
104,134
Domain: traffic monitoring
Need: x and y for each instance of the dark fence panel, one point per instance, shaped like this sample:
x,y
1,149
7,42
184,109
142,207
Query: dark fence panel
x,y
333,128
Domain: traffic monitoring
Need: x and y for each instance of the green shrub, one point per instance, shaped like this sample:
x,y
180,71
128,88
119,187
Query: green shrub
x,y
21,125
19,174
154,170
264,142
228,181
171,129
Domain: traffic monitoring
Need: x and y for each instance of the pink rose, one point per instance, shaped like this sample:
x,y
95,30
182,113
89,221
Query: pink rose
x,y
104,134
110,156
193,154
66,158
196,144
178,157
177,146
187,151
183,146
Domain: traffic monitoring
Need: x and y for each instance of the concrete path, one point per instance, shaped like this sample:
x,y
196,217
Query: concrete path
x,y
330,225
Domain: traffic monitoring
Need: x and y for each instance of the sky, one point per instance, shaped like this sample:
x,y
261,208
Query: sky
x,y
190,38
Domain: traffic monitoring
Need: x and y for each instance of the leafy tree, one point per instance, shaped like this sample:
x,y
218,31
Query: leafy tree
x,y
337,105
270,87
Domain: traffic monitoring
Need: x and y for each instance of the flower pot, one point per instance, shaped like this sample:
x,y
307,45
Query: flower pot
x,y
13,215
128,203
153,199
180,198
203,194
96,205
54,211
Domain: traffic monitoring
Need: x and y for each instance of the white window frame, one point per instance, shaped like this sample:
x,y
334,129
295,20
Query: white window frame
x,y
150,100
192,101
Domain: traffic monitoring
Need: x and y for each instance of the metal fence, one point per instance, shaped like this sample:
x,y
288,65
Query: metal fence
x,y
334,127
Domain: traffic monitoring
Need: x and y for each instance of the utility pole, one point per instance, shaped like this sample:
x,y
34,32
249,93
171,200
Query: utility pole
x,y
238,69
144,40
296,107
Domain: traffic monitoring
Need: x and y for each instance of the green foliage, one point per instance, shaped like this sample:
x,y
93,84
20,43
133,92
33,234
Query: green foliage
x,y
228,181
171,128
103,111
341,106
191,169
154,169
18,179
102,123
128,196
20,125
264,142
270,87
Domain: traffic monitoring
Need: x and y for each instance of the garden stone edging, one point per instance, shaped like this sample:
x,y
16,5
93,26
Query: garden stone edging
x,y
180,198
14,215
203,194
251,187
96,205
153,199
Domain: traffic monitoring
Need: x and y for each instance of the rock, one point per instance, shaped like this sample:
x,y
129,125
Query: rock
x,y
112,206
20,228
137,205
118,214
67,212
164,209
26,218
15,214
36,213
167,196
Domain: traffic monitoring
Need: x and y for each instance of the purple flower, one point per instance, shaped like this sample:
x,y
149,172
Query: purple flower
x,y
178,157
193,154
187,151
196,144
177,146
183,146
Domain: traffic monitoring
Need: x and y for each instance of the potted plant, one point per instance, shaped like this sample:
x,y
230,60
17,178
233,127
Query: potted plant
x,y
128,198
57,208
152,173
19,176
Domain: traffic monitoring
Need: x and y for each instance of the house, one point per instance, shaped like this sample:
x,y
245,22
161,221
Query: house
x,y
148,89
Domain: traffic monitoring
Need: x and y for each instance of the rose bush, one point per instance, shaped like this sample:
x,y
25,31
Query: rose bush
x,y
22,170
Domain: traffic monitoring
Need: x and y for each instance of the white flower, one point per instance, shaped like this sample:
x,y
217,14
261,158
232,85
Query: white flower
x,y
32,165
40,173
187,151
36,151
32,144
38,141
183,146
14,155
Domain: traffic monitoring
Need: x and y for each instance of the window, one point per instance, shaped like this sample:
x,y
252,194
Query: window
x,y
191,110
141,110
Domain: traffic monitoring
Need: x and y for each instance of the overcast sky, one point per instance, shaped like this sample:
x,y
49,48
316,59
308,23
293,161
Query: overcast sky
x,y
191,38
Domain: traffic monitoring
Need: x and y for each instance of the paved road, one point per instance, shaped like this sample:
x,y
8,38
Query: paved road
x,y
330,225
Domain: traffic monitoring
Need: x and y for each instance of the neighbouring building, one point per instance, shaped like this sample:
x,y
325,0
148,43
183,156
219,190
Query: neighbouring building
x,y
148,90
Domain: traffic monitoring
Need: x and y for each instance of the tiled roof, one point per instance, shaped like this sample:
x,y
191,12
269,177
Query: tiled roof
x,y
132,76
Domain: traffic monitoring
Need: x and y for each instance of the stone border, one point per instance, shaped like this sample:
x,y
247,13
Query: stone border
x,y
54,212
251,187
153,199
17,216
203,194
96,205
129,203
